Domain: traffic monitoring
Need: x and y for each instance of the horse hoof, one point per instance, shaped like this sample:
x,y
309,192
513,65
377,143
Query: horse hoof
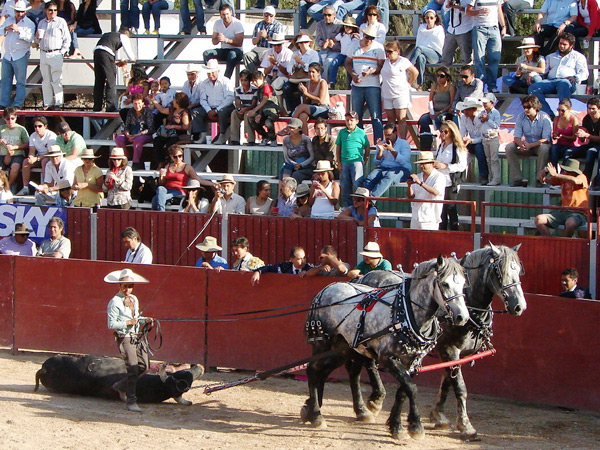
x,y
469,436
375,406
366,417
400,435
416,431
417,436
440,421
441,425
319,423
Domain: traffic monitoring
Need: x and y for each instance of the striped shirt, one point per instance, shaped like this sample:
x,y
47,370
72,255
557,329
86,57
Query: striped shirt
x,y
366,59
245,97
273,27
486,20
56,35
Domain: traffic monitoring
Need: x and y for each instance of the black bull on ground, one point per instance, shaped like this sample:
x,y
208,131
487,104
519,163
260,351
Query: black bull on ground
x,y
94,376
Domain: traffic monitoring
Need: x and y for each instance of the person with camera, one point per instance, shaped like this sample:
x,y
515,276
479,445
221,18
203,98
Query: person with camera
x,y
324,192
430,184
226,201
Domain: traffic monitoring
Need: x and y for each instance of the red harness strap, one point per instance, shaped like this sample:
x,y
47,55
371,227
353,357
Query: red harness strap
x,y
371,298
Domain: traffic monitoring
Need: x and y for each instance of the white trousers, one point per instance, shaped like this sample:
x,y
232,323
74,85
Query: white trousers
x,y
51,65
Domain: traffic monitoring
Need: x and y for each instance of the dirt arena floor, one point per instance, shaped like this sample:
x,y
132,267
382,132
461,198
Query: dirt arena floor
x,y
264,414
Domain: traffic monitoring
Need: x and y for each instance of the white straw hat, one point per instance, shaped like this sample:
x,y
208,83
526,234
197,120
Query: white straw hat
x,y
124,276
209,245
372,250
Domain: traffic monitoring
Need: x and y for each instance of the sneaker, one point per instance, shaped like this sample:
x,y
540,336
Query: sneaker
x,y
184,33
265,142
155,32
24,191
274,143
147,32
133,407
494,90
234,143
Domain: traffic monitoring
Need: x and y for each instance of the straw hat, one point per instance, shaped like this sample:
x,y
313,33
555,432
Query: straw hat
x,y
277,38
371,30
528,42
227,178
372,250
571,165
460,106
63,184
124,276
361,192
471,102
88,153
425,157
323,166
350,21
21,228
303,190
20,6
209,245
192,68
54,151
211,66
303,38
117,153
192,184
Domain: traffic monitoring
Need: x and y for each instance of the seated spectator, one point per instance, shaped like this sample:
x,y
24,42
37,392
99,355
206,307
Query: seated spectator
x,y
330,264
216,103
137,252
130,15
588,22
39,143
297,153
347,38
194,202
568,281
245,262
471,130
260,204
209,258
226,201
14,140
329,48
559,15
186,20
174,130
467,86
191,88
324,192
287,198
263,33
430,184
88,181
459,28
173,177
244,100
65,195
392,162
154,7
372,13
315,97
135,85
296,265
166,93
297,70
490,119
372,260
564,132
276,59
510,8
70,143
118,181
57,169
87,20
356,211
530,68
302,208
57,245
565,70
262,117
533,135
441,101
229,33
316,8
589,136
6,195
139,128
573,193
18,243
324,145
429,44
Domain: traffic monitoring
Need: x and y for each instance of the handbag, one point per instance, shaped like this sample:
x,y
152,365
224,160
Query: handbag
x,y
164,132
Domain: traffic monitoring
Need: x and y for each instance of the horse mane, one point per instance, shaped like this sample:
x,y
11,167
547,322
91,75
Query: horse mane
x,y
450,267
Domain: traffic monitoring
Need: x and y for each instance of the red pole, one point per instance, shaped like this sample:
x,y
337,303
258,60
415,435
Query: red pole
x,y
456,362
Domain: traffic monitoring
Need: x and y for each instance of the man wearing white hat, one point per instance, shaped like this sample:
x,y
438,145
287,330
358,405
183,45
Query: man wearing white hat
x,y
19,32
297,70
216,103
471,130
57,169
261,37
210,259
372,260
191,88
276,58
229,33
430,184
226,201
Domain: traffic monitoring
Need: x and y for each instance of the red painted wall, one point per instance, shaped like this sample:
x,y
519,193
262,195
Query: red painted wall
x,y
6,299
79,232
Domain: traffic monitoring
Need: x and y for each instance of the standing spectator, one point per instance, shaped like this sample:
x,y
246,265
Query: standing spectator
x,y
210,259
372,260
130,15
87,20
324,145
315,97
458,33
490,119
260,205
430,184
468,85
57,245
589,135
216,103
226,201
245,261
176,127
229,32
70,142
487,39
364,65
374,21
573,194
471,130
397,74
324,192
105,66
510,9
329,48
276,59
297,70
287,198
88,181
261,119
533,135
441,101
451,161
40,142
18,243
14,140
54,39
564,131
6,195
56,170
18,31
154,7
191,88
392,162
118,181
297,153
264,32
428,46
530,68
565,70
244,100
296,265
137,252
559,15
330,264
347,37
139,128
568,281
352,152
356,211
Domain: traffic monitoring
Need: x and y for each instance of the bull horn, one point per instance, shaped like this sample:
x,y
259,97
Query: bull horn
x,y
163,372
38,375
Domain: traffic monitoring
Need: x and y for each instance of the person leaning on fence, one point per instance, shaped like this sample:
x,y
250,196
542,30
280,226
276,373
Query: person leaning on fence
x,y
137,252
571,289
589,136
295,265
118,181
372,260
228,32
573,193
209,258
356,211
261,119
430,184
245,261
57,245
264,32
244,99
329,264
18,243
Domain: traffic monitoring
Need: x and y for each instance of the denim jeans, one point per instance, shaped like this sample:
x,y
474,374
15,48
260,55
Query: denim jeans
x,y
350,179
420,57
562,87
331,62
425,122
315,10
487,45
348,7
591,152
130,13
84,31
163,195
372,97
260,4
511,8
380,179
558,153
155,9
18,70
230,56
383,6
477,150
334,66
518,85
186,20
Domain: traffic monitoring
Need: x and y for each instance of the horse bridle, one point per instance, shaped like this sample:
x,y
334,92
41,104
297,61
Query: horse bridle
x,y
443,301
505,287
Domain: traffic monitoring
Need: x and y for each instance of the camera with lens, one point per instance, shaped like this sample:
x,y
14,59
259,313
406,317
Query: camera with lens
x,y
221,191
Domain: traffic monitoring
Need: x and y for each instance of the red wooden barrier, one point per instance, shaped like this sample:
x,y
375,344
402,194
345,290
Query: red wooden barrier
x,y
166,233
6,300
79,232
403,246
545,258
271,238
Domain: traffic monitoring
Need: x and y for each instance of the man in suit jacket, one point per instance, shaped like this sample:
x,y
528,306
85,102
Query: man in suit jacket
x,y
295,265
568,281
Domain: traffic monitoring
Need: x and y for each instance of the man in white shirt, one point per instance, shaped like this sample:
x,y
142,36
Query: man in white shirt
x,y
430,184
229,32
226,201
276,58
191,88
53,39
56,170
216,103
18,33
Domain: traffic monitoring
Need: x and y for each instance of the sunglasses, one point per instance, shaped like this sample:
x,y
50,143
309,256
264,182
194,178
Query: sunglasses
x,y
52,10
370,38
178,156
327,15
441,75
527,106
464,77
38,126
389,51
562,110
371,14
445,131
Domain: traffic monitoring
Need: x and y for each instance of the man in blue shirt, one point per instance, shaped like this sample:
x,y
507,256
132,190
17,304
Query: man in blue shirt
x,y
209,258
560,16
393,162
